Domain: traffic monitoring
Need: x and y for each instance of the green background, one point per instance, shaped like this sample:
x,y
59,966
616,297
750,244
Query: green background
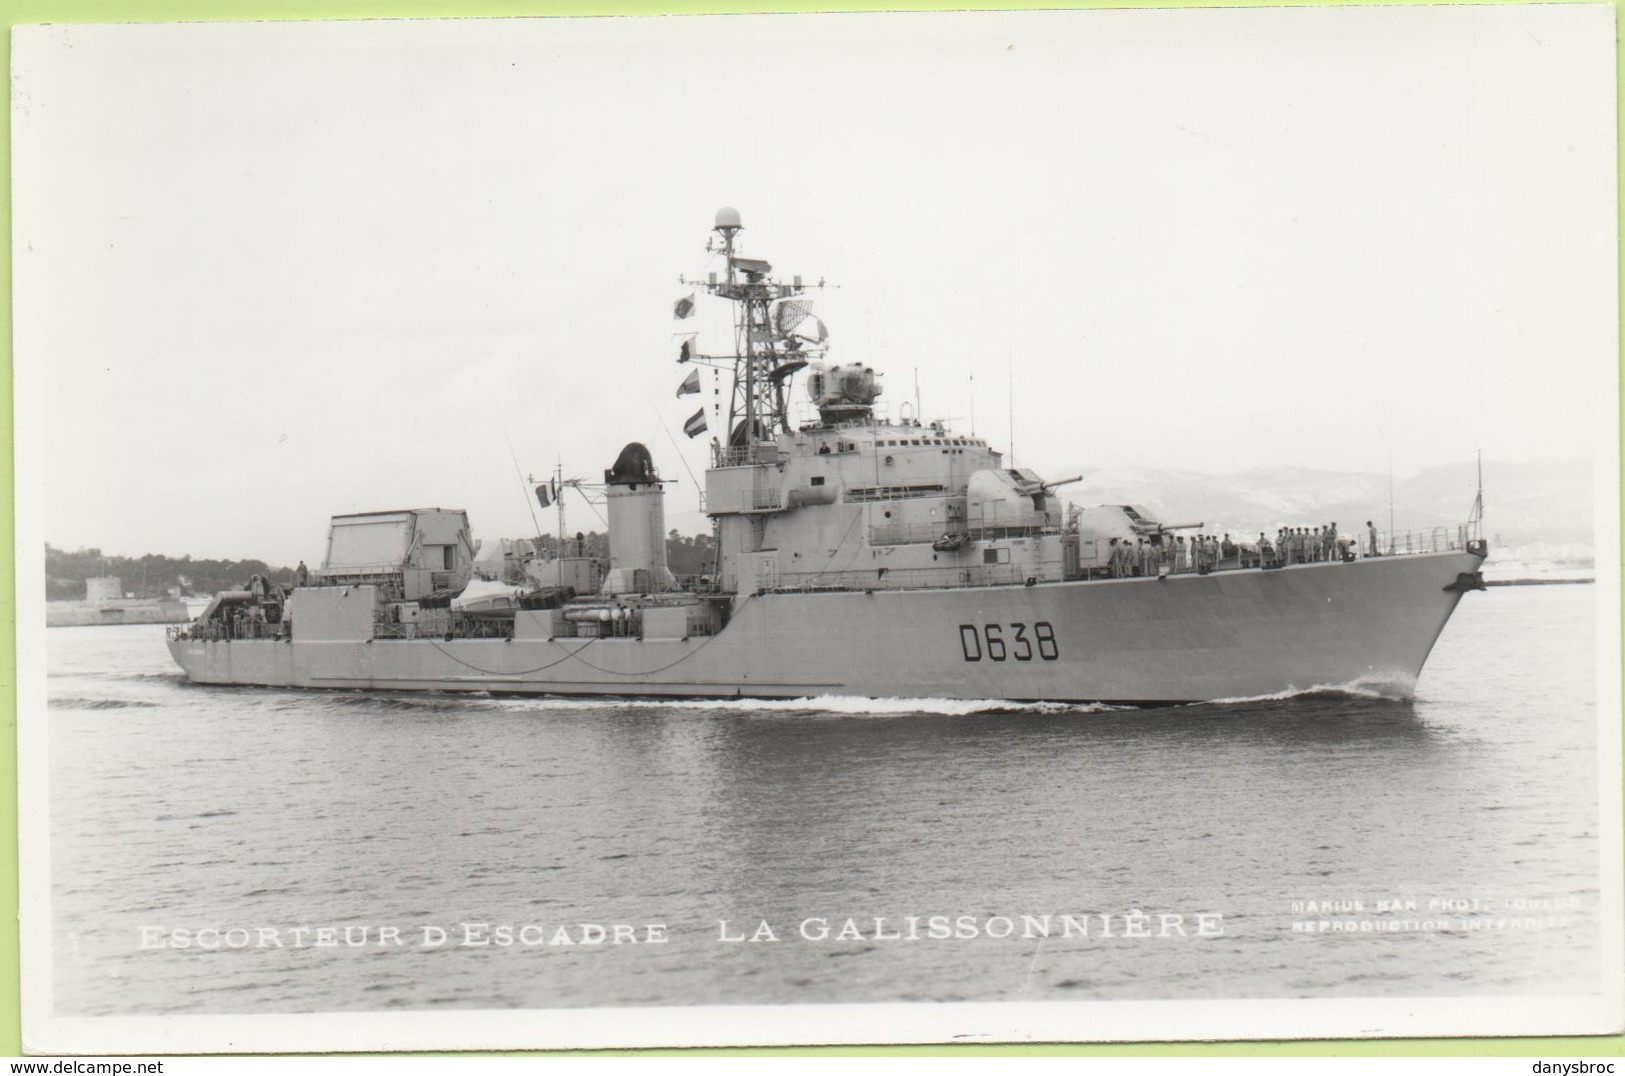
x,y
18,13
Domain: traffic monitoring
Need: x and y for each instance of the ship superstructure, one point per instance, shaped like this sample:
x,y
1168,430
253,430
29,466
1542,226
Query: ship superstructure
x,y
854,498
857,554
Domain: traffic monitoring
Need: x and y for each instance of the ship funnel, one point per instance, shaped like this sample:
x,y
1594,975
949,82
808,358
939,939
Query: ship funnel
x,y
636,499
632,466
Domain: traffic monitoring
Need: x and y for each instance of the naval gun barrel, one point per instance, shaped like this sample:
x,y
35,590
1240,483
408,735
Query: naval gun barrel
x,y
1027,489
1179,526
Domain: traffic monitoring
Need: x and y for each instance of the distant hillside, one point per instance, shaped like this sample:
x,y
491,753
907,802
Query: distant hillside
x,y
148,576
1524,503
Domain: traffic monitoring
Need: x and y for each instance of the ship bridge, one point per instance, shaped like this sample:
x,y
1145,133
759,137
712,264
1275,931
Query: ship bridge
x,y
865,502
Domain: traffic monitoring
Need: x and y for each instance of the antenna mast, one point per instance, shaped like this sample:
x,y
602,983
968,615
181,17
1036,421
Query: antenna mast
x,y
1477,522
558,497
767,352
1390,497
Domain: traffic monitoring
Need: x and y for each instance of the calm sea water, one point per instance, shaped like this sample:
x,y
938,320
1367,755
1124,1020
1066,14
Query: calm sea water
x,y
176,809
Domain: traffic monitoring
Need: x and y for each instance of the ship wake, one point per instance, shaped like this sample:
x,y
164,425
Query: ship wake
x,y
80,703
1387,689
825,705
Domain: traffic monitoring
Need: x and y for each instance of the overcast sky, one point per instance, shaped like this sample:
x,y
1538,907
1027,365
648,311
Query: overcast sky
x,y
266,273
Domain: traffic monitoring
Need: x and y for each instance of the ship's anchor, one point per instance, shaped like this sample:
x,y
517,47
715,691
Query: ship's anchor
x,y
1466,581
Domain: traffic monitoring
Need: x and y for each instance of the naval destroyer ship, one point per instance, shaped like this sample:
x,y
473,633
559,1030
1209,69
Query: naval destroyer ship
x,y
858,554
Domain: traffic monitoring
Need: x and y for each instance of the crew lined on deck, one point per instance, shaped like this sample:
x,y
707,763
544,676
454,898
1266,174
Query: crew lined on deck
x,y
1164,554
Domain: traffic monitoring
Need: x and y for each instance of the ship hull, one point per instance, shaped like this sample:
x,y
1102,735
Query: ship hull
x,y
1369,624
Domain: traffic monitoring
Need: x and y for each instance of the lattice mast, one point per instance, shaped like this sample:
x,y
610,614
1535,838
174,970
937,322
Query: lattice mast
x,y
773,339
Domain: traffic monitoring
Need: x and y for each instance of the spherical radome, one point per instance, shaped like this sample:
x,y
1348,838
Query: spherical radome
x,y
728,217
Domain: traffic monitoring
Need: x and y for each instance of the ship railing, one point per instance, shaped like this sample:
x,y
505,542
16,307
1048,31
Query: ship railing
x,y
1389,544
918,533
214,631
867,494
386,579
975,575
386,576
1426,540
746,455
994,531
345,572
443,626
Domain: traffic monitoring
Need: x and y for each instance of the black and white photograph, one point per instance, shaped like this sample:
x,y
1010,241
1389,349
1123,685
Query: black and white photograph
x,y
660,531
